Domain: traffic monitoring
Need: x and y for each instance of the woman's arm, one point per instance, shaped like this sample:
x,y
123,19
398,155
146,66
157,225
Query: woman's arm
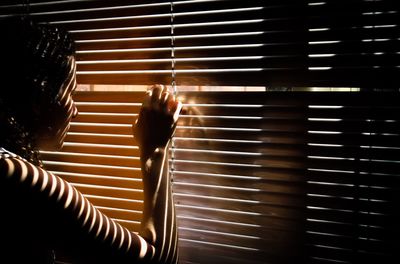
x,y
153,131
60,216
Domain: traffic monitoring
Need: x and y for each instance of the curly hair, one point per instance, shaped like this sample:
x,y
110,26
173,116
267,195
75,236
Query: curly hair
x,y
36,60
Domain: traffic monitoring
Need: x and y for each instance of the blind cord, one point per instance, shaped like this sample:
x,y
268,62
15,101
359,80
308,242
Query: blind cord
x,y
173,62
173,86
26,6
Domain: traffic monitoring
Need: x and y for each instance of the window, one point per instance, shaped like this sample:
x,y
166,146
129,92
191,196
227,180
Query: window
x,y
259,177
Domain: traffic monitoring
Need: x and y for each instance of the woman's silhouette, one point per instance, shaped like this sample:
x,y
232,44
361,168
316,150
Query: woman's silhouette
x,y
43,214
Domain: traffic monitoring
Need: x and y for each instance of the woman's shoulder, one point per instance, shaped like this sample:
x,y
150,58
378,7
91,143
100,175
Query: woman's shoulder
x,y
13,165
5,154
6,158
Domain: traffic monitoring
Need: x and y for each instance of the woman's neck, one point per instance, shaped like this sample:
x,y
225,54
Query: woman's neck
x,y
15,138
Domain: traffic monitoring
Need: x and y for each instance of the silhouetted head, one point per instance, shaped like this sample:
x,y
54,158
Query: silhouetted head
x,y
36,83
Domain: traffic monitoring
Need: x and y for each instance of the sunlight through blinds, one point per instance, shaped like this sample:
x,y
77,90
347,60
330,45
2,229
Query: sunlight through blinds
x,y
258,177
100,157
228,42
290,43
353,170
353,43
238,177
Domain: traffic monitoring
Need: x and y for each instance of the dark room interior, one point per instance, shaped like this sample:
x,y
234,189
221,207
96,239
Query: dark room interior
x,y
287,148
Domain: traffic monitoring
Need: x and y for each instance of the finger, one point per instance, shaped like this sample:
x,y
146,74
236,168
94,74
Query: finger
x,y
164,101
172,103
147,99
165,89
155,86
164,97
167,104
175,108
156,94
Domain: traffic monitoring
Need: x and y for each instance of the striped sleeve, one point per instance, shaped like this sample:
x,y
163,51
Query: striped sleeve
x,y
89,221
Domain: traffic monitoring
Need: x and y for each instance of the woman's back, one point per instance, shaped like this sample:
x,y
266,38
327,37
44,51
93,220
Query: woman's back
x,y
47,212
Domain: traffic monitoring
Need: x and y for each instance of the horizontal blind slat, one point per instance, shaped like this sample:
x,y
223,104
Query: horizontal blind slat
x,y
284,219
264,232
92,159
111,181
89,148
120,203
102,170
215,252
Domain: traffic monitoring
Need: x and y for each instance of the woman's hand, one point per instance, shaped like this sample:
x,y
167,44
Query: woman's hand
x,y
153,130
156,122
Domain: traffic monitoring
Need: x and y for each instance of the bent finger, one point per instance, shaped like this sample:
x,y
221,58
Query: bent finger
x,y
164,100
156,95
147,99
167,103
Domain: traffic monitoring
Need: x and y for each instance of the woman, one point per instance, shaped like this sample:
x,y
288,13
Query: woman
x,y
42,213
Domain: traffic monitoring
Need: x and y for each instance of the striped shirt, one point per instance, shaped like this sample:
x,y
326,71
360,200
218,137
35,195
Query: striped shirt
x,y
68,221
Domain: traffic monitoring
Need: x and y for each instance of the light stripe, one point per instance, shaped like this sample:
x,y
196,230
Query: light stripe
x,y
159,176
165,222
176,249
128,247
72,73
143,248
77,200
93,219
35,176
100,226
87,215
81,210
53,185
122,236
69,197
24,170
62,189
115,232
171,230
11,168
45,181
107,229
91,9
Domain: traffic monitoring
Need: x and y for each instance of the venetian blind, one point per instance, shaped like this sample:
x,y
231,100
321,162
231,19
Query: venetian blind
x,y
261,178
238,164
353,43
258,177
229,42
353,178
